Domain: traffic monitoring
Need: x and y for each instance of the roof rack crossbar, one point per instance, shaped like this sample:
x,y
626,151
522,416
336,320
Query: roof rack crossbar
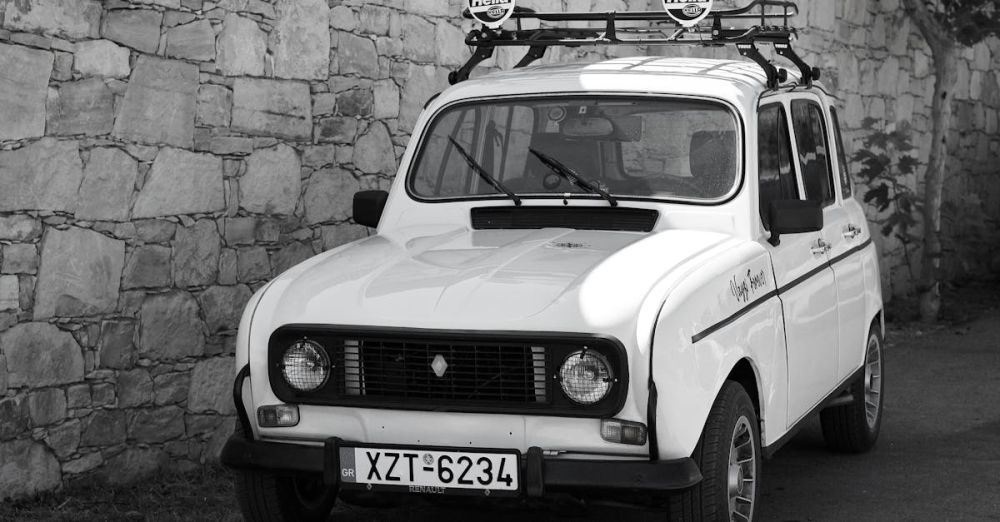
x,y
485,40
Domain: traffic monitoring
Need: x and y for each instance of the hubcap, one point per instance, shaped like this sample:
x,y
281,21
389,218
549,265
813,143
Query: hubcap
x,y
742,472
873,382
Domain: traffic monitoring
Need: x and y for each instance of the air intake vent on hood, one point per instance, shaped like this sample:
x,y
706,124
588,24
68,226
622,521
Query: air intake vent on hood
x,y
580,218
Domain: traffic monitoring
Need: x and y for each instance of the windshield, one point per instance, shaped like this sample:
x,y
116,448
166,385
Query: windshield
x,y
624,147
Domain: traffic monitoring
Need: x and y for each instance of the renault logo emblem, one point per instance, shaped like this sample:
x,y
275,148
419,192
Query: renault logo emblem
x,y
439,365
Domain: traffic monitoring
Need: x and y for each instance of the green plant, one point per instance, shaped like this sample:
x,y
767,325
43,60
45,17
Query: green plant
x,y
887,162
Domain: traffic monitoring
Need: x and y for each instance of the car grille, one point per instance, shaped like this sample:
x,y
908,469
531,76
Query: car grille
x,y
406,370
445,370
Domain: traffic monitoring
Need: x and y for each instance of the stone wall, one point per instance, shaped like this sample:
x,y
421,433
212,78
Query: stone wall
x,y
162,159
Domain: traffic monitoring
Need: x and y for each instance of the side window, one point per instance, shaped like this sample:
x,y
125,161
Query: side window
x,y
774,168
814,159
845,172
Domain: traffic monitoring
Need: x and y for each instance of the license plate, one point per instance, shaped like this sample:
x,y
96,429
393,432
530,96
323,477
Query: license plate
x,y
431,471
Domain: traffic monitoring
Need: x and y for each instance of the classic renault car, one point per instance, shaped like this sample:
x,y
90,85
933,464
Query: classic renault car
x,y
630,280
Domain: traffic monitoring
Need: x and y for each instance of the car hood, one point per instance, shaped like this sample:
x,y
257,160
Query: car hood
x,y
456,278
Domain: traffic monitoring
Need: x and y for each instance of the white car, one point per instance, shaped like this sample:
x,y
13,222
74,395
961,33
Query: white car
x,y
630,280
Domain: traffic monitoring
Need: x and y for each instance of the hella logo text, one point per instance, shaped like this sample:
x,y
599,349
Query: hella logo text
x,y
692,10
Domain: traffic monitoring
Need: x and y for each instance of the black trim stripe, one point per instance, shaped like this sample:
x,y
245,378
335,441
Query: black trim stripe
x,y
777,293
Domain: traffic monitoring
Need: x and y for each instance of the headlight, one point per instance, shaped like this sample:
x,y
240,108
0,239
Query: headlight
x,y
586,377
305,366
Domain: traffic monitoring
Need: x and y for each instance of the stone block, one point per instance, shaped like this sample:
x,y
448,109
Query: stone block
x,y
148,266
135,28
228,266
82,107
62,68
196,254
329,196
230,145
83,464
215,105
44,175
209,389
447,53
223,307
73,18
39,354
386,99
20,227
108,182
103,394
157,425
10,293
193,41
26,289
101,58
319,156
337,129
159,105
375,19
14,418
133,464
239,231
181,182
23,91
253,265
373,152
418,38
290,256
135,388
344,18
272,183
64,439
171,388
170,327
46,406
355,102
104,428
357,55
117,344
20,258
272,108
300,40
241,47
85,283
27,468
155,230
422,82
78,396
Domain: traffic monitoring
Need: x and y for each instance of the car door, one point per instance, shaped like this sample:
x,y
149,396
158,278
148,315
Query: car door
x,y
802,273
847,233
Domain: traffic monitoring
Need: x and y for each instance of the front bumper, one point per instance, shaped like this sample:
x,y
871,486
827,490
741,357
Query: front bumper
x,y
539,474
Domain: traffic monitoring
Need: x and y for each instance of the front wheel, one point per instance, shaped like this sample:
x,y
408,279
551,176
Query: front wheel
x,y
729,457
854,427
266,497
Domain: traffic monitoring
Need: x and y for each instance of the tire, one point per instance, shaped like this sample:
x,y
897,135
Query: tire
x,y
732,423
267,497
854,427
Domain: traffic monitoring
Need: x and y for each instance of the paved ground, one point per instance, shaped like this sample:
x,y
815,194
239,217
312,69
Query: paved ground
x,y
938,457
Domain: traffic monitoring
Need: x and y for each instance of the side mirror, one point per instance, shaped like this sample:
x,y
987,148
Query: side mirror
x,y
794,216
368,207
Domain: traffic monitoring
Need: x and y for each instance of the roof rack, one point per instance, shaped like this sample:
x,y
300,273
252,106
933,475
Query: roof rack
x,y
771,27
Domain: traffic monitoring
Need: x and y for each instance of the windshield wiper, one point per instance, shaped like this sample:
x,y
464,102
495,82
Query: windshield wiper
x,y
478,169
570,175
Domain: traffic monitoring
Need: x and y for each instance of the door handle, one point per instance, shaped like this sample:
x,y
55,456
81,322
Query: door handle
x,y
852,231
821,247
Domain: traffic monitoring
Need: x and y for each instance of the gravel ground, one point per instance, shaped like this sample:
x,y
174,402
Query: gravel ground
x,y
938,457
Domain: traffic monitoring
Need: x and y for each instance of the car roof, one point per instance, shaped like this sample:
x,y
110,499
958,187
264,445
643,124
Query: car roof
x,y
737,81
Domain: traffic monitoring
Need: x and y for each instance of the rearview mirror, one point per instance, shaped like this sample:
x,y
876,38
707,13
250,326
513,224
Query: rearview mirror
x,y
794,216
368,207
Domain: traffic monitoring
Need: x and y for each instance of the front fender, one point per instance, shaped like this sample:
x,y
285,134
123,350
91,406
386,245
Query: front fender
x,y
724,312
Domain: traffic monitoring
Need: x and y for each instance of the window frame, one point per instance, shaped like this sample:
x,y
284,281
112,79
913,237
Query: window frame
x,y
798,155
843,165
425,131
792,155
